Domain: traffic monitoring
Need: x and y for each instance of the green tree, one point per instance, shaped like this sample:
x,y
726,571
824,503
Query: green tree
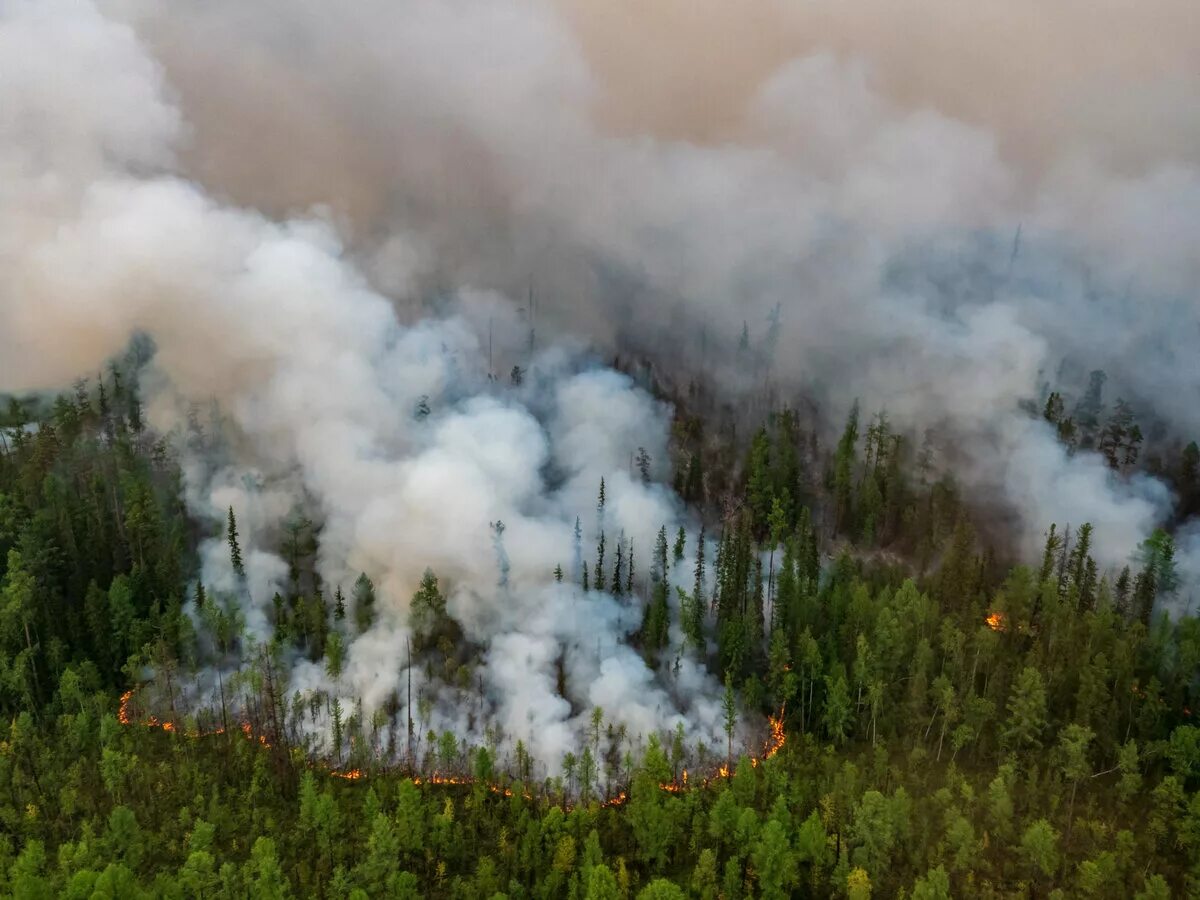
x,y
235,550
264,875
729,709
661,889
1026,711
1039,848
1073,744
364,602
773,861
934,885
838,711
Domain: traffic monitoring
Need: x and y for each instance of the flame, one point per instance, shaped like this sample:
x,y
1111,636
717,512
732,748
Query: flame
x,y
778,737
773,745
996,622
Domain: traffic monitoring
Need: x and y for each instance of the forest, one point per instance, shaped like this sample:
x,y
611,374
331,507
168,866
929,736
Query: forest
x,y
908,712
626,450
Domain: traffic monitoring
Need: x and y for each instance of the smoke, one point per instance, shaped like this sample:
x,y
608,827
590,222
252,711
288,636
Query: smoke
x,y
665,172
269,191
318,388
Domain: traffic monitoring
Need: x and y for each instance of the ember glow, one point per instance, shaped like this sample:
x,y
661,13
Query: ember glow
x,y
774,744
777,737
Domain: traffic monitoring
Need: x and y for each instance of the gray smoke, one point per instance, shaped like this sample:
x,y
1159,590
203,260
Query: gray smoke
x,y
664,168
271,190
317,386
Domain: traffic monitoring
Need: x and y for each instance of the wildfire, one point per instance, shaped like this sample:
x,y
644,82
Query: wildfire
x,y
773,745
778,737
616,800
996,622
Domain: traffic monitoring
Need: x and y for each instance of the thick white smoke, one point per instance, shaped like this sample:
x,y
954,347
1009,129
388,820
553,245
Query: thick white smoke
x,y
669,168
319,386
869,192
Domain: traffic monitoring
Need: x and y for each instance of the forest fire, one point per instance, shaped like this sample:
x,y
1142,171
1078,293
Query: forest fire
x,y
617,800
778,737
996,622
773,745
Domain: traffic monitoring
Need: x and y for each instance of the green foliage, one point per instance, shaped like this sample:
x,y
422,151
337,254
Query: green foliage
x,y
926,753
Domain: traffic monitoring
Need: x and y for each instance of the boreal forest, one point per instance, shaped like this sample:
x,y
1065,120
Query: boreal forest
x,y
928,719
513,449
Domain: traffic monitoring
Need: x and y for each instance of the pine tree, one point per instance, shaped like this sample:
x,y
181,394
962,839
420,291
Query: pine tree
x,y
1121,590
619,567
580,568
643,464
659,568
1050,554
598,579
1054,409
235,551
729,710
427,612
843,470
657,618
364,602
759,489
1026,711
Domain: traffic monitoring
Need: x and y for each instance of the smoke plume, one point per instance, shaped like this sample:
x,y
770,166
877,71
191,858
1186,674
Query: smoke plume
x,y
940,213
953,211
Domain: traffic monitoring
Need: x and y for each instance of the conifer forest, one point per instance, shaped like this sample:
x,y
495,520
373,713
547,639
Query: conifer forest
x,y
629,451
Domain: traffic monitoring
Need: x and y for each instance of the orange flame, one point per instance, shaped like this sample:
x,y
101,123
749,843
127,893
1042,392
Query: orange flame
x,y
996,622
778,737
123,709
773,745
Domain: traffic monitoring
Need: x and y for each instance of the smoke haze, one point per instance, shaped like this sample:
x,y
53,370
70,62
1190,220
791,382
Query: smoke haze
x,y
664,167
271,192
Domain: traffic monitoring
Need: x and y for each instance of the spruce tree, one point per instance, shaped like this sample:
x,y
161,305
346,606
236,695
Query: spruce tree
x,y
235,551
